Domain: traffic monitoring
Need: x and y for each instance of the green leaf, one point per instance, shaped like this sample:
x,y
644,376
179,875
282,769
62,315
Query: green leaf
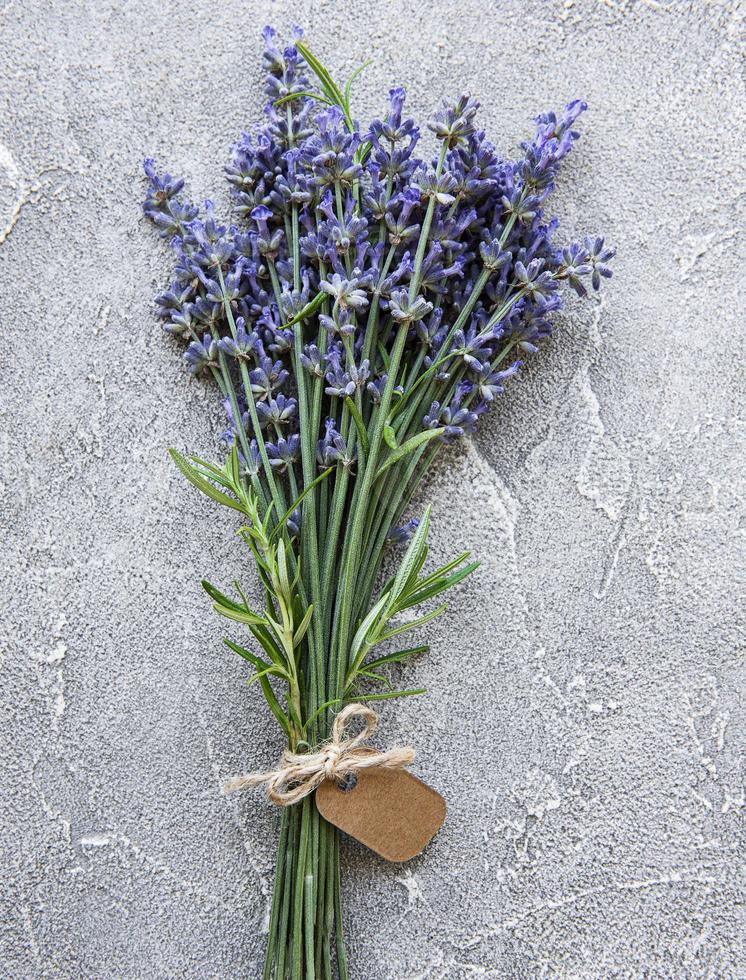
x,y
221,599
293,712
269,695
444,569
203,484
384,355
409,447
274,671
353,76
234,466
439,585
389,437
397,657
371,675
357,647
247,655
413,624
300,632
238,615
301,95
217,473
359,424
225,606
328,85
320,710
411,563
282,570
307,310
265,639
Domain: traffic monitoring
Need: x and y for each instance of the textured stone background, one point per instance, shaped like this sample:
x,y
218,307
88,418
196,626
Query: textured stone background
x,y
585,720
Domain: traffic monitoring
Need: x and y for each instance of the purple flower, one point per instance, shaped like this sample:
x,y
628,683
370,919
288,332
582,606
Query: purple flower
x,y
277,412
456,420
492,256
405,312
454,123
244,345
332,449
250,466
532,280
598,257
202,355
341,382
330,212
268,378
284,452
347,293
489,383
293,523
573,265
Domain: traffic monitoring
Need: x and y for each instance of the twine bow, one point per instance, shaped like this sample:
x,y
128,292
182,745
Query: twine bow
x,y
299,775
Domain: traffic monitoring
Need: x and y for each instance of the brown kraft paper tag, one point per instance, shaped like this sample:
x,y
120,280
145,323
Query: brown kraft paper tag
x,y
391,811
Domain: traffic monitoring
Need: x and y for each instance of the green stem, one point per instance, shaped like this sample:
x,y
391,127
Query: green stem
x,y
274,920
299,885
338,925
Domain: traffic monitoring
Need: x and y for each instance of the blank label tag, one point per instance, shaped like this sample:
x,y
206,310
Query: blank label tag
x,y
391,811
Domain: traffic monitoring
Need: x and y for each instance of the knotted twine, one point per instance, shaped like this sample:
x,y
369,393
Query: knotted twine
x,y
300,774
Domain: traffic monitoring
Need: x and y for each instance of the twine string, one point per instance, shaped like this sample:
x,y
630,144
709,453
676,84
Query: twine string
x,y
298,775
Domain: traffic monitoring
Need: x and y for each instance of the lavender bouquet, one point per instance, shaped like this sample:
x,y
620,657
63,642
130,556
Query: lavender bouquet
x,y
362,311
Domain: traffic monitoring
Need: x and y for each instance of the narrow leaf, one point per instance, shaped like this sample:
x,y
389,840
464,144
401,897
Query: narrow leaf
x,y
269,695
371,675
234,466
412,560
247,655
359,424
357,648
384,355
238,615
353,76
307,310
221,599
397,657
216,473
439,585
302,95
408,447
444,569
264,637
300,632
264,673
319,710
330,87
413,624
203,484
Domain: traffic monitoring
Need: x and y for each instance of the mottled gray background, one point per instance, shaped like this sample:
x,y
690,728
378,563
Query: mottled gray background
x,y
585,717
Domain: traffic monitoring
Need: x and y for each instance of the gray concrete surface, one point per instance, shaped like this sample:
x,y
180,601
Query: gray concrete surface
x,y
585,717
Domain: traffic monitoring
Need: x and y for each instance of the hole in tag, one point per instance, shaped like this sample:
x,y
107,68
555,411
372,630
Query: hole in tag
x,y
348,782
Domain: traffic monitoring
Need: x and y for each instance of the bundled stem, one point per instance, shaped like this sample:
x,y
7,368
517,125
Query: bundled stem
x,y
359,317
